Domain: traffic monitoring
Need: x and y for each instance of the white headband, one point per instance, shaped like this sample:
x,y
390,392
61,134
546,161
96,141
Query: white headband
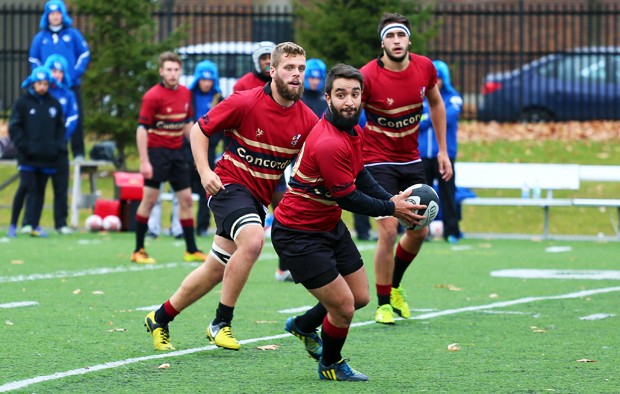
x,y
394,26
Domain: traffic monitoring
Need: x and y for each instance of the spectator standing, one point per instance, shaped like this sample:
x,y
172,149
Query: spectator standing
x,y
314,86
165,116
37,129
429,149
269,125
396,84
308,232
57,36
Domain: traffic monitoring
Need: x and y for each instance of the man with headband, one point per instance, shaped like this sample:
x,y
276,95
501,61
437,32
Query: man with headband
x,y
396,84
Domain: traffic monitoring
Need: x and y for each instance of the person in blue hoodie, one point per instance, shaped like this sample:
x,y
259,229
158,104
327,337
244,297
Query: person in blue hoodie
x,y
206,93
428,150
61,90
57,36
37,128
314,86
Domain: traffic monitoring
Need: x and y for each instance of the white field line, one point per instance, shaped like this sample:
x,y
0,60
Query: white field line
x,y
114,364
18,304
122,269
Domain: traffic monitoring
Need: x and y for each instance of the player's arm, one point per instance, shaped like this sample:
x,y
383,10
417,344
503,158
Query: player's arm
x,y
199,143
438,117
142,142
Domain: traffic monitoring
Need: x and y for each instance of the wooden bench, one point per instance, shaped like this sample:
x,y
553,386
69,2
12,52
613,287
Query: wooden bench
x,y
540,179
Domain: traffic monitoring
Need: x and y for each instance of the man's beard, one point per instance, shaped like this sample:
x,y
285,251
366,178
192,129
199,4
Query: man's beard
x,y
397,59
342,122
283,90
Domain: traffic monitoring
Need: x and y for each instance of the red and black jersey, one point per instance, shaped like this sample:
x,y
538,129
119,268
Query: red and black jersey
x,y
393,104
164,113
248,81
326,169
265,138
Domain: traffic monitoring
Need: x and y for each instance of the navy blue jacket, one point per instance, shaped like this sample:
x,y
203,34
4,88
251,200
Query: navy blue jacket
x,y
37,130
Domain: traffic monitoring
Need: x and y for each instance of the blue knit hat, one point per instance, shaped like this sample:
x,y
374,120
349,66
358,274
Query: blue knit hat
x,y
59,62
206,69
40,73
315,68
52,6
443,72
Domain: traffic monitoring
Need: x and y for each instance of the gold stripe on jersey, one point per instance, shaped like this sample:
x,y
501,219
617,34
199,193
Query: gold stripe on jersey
x,y
395,110
256,174
165,132
260,145
306,178
312,197
401,134
172,116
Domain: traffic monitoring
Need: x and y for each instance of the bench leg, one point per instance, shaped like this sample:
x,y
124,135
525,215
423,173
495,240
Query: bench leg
x,y
546,231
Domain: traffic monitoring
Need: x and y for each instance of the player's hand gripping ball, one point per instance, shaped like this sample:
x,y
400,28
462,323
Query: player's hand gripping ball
x,y
422,194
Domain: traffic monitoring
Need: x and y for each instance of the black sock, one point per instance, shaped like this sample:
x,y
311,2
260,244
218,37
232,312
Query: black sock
x,y
140,234
223,313
190,240
162,317
312,319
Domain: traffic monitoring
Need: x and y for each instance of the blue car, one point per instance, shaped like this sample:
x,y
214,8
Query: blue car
x,y
580,84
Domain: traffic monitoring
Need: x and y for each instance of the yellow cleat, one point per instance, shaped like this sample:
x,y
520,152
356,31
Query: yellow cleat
x,y
385,314
221,335
140,257
398,300
161,335
196,256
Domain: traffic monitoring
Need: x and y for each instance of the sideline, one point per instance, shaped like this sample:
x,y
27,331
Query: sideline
x,y
82,371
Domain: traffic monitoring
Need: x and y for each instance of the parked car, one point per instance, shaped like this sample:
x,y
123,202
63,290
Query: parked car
x,y
233,60
580,84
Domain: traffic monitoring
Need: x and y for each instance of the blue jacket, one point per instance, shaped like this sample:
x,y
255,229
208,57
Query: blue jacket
x,y
203,102
67,42
315,99
63,93
454,106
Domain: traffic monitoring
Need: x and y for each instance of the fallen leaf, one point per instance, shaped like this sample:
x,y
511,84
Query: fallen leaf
x,y
77,291
164,366
8,322
448,286
17,262
454,347
117,330
586,360
265,321
97,292
268,347
493,295
536,329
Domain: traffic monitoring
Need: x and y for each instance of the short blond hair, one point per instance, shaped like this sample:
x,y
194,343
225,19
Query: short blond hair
x,y
285,48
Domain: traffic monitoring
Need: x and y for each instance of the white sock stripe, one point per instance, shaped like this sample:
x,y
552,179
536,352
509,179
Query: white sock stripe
x,y
394,26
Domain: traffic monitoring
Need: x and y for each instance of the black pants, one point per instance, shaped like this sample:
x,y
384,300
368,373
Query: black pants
x,y
31,190
362,226
77,138
60,182
447,196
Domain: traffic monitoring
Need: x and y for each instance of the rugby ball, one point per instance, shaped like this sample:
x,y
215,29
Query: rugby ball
x,y
422,194
93,223
111,223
